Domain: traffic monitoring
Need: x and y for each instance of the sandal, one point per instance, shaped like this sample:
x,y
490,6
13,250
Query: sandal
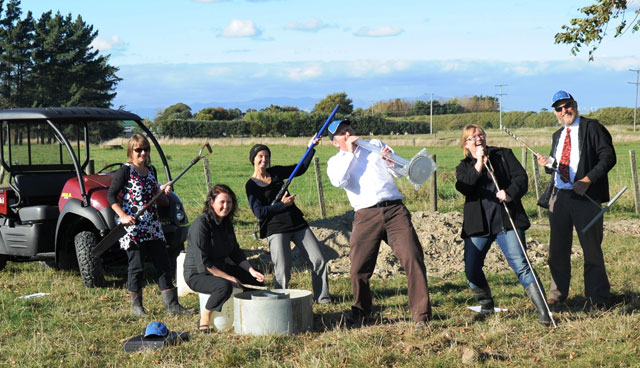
x,y
204,329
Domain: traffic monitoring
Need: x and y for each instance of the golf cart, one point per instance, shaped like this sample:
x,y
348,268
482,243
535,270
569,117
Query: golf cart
x,y
53,208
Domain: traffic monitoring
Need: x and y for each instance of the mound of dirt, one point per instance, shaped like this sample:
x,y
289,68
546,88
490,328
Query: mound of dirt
x,y
439,235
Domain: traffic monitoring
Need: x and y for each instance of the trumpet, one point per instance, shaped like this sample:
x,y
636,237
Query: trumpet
x,y
417,170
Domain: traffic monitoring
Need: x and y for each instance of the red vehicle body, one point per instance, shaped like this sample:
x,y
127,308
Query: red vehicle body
x,y
52,208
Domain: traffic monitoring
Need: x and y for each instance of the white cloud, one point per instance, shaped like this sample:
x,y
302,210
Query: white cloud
x,y
312,25
210,1
365,67
217,71
241,28
103,44
304,72
385,31
618,63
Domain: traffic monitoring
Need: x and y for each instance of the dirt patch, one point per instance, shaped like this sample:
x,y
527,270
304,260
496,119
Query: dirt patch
x,y
439,235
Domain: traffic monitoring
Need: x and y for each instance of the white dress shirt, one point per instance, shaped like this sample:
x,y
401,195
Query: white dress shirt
x,y
364,175
574,158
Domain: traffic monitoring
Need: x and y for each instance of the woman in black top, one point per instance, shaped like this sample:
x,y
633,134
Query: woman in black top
x,y
486,220
212,240
136,181
282,222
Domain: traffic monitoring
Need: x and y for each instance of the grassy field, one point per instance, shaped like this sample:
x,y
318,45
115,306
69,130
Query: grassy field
x,y
78,327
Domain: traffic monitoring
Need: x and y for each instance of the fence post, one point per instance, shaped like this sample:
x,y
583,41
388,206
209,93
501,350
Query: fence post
x,y
536,182
316,165
634,178
207,173
92,167
434,188
524,158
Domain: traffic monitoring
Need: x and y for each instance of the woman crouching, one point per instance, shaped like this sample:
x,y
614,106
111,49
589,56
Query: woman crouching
x,y
211,240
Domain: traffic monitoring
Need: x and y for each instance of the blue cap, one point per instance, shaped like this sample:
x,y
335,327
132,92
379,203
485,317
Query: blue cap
x,y
156,328
333,127
559,96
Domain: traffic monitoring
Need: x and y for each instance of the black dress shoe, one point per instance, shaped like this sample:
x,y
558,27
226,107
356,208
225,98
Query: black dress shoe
x,y
357,318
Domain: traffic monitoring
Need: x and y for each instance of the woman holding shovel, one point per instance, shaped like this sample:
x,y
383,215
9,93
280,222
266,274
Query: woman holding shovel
x,y
137,182
212,240
282,222
493,182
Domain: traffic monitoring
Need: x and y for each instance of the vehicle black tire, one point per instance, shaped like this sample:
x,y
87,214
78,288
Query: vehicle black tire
x,y
90,267
3,261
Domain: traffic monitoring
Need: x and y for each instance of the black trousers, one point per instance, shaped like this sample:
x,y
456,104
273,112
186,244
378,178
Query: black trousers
x,y
570,210
157,251
219,289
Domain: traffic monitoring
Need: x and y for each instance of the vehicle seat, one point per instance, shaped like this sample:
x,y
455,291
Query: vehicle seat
x,y
41,188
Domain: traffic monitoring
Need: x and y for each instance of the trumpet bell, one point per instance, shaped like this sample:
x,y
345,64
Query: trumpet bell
x,y
419,168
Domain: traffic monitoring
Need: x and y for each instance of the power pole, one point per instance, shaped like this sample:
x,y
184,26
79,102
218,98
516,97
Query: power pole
x,y
372,112
501,94
635,109
431,114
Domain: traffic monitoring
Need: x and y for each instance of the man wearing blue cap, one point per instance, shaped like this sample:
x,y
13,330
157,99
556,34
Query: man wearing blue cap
x,y
379,215
582,154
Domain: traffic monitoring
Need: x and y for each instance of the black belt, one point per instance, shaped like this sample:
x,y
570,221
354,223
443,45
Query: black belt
x,y
387,203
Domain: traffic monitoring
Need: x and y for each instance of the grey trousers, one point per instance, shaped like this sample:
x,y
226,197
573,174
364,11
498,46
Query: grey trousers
x,y
280,247
566,211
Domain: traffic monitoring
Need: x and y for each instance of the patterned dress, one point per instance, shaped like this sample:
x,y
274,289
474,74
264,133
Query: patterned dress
x,y
138,191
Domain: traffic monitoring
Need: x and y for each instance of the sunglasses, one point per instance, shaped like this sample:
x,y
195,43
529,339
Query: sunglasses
x,y
474,137
565,106
140,149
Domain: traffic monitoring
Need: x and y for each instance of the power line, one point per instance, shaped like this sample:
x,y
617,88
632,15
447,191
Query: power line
x,y
430,114
635,109
501,94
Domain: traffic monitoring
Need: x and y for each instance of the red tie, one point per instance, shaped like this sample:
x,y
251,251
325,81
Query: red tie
x,y
563,168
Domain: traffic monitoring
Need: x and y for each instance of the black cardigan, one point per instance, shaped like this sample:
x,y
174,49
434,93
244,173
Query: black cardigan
x,y
511,177
209,246
276,218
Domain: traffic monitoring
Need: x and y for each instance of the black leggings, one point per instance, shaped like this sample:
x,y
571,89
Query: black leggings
x,y
157,250
219,288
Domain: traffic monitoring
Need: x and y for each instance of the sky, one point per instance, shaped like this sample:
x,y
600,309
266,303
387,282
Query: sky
x,y
253,53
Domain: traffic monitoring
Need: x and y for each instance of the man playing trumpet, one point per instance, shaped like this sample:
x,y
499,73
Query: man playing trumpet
x,y
379,215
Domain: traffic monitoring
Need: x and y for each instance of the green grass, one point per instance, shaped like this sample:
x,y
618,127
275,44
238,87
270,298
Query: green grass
x,y
79,327
75,326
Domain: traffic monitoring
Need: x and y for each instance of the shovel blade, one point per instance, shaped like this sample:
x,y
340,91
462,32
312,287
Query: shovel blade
x,y
110,239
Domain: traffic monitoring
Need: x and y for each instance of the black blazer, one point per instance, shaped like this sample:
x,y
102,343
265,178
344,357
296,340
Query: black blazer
x,y
511,177
597,156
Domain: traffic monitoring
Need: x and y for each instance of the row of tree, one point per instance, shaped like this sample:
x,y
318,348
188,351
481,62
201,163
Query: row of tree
x,y
49,61
179,121
275,122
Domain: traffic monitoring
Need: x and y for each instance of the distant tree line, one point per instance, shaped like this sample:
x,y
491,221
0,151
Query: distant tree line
x,y
178,120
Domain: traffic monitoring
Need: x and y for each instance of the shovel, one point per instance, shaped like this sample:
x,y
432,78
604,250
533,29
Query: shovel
x,y
119,231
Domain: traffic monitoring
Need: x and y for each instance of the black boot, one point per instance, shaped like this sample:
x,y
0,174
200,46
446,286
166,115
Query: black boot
x,y
136,303
170,300
483,296
538,301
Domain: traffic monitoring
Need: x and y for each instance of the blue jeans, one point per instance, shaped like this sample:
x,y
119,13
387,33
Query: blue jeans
x,y
475,251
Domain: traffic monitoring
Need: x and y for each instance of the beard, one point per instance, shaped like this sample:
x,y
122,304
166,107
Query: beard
x,y
566,119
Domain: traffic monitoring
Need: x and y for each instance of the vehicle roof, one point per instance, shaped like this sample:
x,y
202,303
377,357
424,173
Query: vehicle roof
x,y
66,113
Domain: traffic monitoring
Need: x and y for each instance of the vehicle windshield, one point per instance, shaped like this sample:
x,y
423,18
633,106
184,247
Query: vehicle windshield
x,y
35,144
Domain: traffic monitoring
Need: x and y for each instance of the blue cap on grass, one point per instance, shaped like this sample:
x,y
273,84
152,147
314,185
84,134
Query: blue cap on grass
x,y
156,328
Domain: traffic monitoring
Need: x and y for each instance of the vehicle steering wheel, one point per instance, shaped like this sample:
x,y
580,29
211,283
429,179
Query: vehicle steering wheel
x,y
118,164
